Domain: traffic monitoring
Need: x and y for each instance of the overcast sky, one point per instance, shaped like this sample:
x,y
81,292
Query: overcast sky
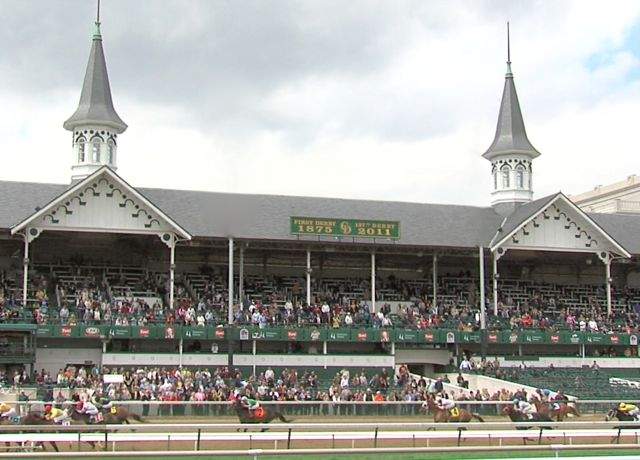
x,y
392,100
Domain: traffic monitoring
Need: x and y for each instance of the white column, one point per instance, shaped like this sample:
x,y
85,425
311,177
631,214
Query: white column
x,y
495,285
308,277
25,269
180,350
230,303
241,275
172,274
373,282
607,265
483,319
434,274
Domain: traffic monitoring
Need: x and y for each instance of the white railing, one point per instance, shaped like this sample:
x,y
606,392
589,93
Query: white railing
x,y
256,453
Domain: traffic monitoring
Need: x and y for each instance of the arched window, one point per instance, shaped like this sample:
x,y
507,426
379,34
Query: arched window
x,y
505,172
81,151
95,150
520,176
111,151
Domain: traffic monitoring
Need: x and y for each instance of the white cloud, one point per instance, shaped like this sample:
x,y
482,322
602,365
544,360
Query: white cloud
x,y
412,127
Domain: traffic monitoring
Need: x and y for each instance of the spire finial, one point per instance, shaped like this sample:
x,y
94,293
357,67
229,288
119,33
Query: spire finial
x,y
508,51
96,29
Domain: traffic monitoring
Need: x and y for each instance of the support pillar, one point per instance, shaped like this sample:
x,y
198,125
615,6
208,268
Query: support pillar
x,y
607,265
241,275
434,274
483,313
393,348
25,270
495,285
483,319
172,274
308,273
373,282
230,305
324,347
180,350
230,286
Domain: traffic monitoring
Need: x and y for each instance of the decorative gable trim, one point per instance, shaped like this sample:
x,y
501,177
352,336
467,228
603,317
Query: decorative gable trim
x,y
137,214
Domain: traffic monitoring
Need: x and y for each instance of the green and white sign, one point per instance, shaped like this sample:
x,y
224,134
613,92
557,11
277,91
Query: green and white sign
x,y
345,227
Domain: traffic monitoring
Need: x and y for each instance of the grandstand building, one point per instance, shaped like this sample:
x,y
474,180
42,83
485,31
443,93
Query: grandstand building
x,y
100,239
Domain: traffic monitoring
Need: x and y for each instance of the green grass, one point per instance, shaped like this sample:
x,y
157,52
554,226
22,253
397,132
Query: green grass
x,y
421,456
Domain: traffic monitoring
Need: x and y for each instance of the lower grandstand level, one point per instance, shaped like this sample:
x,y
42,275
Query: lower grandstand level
x,y
97,299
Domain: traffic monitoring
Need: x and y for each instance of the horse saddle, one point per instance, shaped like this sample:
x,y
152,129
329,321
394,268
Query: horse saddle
x,y
97,418
455,412
258,413
15,420
114,410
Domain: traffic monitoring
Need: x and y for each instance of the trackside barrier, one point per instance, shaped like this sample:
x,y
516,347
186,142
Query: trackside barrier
x,y
175,427
316,408
256,453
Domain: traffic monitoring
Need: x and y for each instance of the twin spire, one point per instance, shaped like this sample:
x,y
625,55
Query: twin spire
x,y
511,136
96,105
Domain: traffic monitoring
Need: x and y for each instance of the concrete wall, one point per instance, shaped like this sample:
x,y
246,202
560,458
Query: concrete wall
x,y
203,359
431,356
480,382
619,363
53,359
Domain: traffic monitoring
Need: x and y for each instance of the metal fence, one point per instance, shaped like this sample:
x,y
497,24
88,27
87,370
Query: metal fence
x,y
314,408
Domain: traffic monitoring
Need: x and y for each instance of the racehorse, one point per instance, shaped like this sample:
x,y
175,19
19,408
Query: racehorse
x,y
516,416
445,416
622,417
262,414
117,416
36,418
559,414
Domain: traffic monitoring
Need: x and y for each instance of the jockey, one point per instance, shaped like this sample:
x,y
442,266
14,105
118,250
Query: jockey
x,y
524,407
100,401
87,407
445,404
55,414
6,411
629,409
249,404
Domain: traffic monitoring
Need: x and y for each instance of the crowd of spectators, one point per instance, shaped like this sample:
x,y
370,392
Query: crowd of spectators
x,y
88,300
148,383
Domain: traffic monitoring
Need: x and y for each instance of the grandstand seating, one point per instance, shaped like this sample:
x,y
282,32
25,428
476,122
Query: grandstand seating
x,y
584,383
59,284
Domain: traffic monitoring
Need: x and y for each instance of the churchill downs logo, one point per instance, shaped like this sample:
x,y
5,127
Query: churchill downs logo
x,y
92,331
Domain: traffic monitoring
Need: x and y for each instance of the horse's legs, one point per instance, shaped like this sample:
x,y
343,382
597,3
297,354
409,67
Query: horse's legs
x,y
54,445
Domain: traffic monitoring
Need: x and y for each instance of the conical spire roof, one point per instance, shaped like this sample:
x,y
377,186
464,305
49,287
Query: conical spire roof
x,y
511,136
96,106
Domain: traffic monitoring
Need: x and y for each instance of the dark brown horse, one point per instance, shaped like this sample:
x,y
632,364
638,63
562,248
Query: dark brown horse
x,y
445,416
263,414
117,416
560,413
36,418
